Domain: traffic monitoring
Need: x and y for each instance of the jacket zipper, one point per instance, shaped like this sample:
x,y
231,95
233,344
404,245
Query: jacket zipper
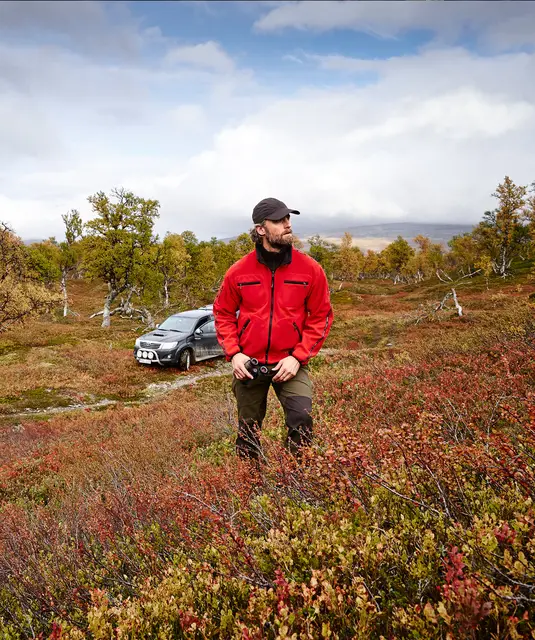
x,y
295,282
271,313
244,327
244,284
298,332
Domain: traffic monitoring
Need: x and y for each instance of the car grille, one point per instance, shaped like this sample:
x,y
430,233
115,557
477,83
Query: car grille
x,y
149,345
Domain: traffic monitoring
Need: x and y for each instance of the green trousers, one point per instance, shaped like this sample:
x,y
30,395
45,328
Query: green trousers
x,y
295,396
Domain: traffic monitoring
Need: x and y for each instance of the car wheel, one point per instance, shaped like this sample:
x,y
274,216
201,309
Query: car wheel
x,y
184,360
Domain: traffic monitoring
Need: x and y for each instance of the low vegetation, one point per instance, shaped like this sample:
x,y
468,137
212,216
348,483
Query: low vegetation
x,y
411,516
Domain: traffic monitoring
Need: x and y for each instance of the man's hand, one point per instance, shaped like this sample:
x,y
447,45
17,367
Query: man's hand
x,y
238,366
286,369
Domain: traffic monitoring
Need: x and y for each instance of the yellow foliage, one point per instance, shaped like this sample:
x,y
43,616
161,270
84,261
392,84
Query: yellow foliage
x,y
21,294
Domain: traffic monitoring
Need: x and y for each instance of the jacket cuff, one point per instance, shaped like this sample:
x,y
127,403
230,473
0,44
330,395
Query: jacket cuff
x,y
300,357
231,354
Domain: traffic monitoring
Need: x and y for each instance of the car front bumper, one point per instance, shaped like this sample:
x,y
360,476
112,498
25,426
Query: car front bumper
x,y
151,356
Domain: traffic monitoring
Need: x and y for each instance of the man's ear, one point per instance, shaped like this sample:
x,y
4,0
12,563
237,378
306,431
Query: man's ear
x,y
261,230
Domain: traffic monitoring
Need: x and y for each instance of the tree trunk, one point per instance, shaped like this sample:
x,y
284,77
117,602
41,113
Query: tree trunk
x,y
127,306
503,262
148,317
457,305
64,291
106,319
166,288
108,301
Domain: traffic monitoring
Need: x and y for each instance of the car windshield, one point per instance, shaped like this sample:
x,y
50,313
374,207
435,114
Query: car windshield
x,y
178,323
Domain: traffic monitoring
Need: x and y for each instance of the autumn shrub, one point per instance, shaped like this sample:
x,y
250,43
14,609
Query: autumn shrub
x,y
73,357
411,516
419,526
90,369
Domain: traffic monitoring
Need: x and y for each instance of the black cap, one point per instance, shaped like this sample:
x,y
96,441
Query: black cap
x,y
271,209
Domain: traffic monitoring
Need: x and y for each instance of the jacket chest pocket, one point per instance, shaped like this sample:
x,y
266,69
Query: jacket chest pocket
x,y
252,291
295,289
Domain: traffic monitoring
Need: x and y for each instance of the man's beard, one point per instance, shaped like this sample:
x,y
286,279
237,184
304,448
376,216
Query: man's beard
x,y
279,240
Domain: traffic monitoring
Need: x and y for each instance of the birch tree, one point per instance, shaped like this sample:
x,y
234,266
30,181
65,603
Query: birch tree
x,y
118,240
396,256
501,231
22,293
348,260
172,259
529,218
70,252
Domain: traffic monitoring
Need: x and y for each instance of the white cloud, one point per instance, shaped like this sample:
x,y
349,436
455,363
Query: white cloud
x,y
498,24
460,115
98,28
72,124
292,58
402,148
207,55
26,131
428,139
189,116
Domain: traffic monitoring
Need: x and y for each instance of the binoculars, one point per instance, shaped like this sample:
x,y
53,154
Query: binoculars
x,y
255,368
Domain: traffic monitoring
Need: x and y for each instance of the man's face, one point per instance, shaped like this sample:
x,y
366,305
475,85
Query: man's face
x,y
278,233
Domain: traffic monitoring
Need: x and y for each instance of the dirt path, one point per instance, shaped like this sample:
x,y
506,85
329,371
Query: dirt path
x,y
150,393
158,389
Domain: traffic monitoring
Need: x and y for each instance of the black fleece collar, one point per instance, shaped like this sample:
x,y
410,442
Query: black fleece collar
x,y
273,260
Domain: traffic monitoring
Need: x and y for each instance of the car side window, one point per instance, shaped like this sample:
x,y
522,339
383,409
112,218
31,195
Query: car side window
x,y
202,323
209,327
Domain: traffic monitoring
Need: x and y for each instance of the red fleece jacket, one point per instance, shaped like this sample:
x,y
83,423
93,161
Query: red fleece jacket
x,y
282,312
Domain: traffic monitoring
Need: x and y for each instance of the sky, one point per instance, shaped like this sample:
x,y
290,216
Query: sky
x,y
351,112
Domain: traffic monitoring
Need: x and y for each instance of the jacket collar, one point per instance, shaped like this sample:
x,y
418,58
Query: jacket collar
x,y
285,258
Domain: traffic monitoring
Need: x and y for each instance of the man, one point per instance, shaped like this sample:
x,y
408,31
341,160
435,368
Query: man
x,y
285,315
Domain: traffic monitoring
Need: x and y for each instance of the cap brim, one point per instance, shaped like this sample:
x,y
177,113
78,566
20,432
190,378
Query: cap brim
x,y
281,213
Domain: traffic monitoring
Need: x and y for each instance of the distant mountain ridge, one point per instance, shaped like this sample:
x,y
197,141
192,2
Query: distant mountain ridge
x,y
405,229
28,241
378,236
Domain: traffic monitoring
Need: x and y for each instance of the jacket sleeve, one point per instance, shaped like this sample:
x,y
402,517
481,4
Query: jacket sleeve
x,y
226,304
319,319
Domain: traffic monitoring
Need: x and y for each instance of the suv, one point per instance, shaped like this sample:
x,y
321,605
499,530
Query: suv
x,y
181,340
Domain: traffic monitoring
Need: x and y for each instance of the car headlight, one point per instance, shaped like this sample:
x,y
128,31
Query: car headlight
x,y
138,342
166,346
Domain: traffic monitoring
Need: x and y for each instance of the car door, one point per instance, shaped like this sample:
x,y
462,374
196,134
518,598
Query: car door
x,y
206,344
200,341
212,345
